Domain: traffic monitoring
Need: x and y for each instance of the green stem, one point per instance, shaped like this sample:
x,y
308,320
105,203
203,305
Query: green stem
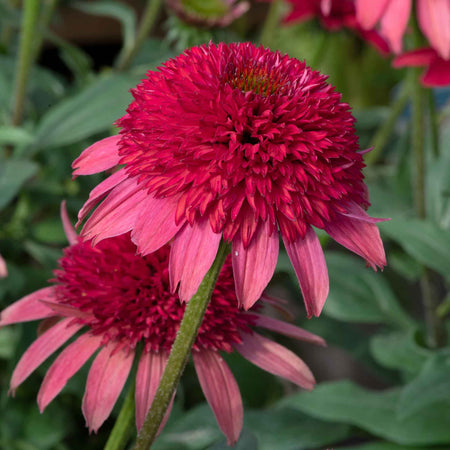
x,y
121,432
25,60
148,20
48,8
270,24
434,123
192,319
384,132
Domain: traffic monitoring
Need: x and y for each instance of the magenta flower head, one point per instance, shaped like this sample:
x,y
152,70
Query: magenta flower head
x,y
113,299
240,143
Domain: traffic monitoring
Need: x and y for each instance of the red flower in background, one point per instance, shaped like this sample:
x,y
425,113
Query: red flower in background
x,y
240,143
118,300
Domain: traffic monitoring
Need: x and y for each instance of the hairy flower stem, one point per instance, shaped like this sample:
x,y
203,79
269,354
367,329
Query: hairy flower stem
x,y
384,132
148,20
121,432
192,319
434,123
436,334
25,59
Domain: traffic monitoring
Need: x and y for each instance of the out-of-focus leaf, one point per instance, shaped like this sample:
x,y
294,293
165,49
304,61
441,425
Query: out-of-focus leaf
x,y
247,441
288,429
123,13
152,53
91,111
14,136
13,174
387,446
423,240
404,264
399,351
8,338
50,231
46,255
374,411
430,387
356,293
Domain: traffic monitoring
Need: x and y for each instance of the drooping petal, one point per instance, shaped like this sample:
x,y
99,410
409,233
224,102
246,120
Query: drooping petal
x,y
394,22
117,213
100,191
369,12
355,211
3,269
150,370
359,236
307,258
70,360
155,224
415,58
28,308
98,157
193,251
41,349
438,74
254,266
434,20
287,329
221,392
276,359
105,381
69,230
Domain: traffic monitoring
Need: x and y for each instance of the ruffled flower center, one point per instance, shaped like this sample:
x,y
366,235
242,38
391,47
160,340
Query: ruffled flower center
x,y
126,298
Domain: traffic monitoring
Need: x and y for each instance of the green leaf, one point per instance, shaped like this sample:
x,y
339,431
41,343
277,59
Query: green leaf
x,y
423,240
287,429
8,339
375,412
430,387
91,111
14,136
123,13
13,174
387,446
399,351
247,441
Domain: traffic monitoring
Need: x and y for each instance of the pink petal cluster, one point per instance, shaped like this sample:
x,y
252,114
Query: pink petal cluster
x,y
240,143
434,21
334,15
3,268
111,300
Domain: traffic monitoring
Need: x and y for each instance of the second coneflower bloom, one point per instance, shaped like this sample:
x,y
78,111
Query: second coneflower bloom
x,y
112,300
240,143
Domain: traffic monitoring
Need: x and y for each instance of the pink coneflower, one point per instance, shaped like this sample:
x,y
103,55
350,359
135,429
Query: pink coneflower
x,y
334,15
3,269
393,16
240,143
118,300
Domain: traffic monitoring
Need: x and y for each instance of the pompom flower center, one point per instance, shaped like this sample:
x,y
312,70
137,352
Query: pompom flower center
x,y
126,298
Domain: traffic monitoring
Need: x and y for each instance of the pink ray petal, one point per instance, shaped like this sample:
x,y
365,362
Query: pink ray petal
x,y
98,157
69,230
221,392
369,12
307,258
64,310
438,74
253,267
117,213
278,305
415,58
28,308
105,381
67,364
155,224
359,236
394,22
193,251
275,359
41,349
100,191
150,370
434,20
355,211
287,329
3,268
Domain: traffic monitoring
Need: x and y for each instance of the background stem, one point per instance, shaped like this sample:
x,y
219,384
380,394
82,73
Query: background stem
x,y
192,319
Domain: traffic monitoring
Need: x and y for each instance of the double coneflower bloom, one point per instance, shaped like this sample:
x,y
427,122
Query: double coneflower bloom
x,y
110,301
238,143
